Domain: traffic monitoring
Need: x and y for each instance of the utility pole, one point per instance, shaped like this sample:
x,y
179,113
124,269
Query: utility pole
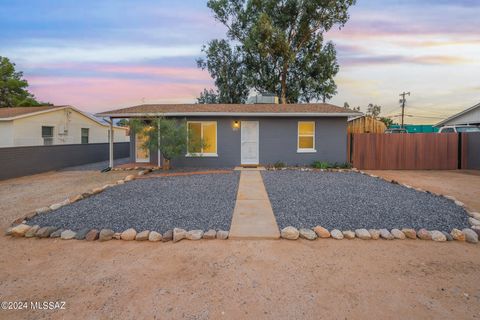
x,y
403,101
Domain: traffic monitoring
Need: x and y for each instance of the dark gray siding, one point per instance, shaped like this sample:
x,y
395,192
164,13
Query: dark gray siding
x,y
473,151
22,161
278,142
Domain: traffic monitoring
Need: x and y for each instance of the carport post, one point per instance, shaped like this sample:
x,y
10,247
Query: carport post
x,y
110,144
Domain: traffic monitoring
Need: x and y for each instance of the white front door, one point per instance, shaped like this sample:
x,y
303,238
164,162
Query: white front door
x,y
141,154
249,142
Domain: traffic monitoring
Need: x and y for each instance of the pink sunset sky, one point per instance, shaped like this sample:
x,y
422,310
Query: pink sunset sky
x,y
100,55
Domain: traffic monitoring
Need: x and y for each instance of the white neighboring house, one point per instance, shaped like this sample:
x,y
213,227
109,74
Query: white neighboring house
x,y
33,126
470,116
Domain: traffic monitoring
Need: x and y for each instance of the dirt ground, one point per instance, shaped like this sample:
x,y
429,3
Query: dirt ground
x,y
349,279
462,184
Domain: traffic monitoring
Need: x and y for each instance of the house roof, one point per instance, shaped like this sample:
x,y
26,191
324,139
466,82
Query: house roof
x,y
441,123
310,109
8,114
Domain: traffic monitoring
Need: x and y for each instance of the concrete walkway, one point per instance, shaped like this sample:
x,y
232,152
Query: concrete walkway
x,y
253,216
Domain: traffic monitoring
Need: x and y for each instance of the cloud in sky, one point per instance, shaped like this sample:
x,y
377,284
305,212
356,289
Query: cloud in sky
x,y
105,54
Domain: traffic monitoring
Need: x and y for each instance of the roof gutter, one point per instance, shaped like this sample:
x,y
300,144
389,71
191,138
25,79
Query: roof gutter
x,y
227,114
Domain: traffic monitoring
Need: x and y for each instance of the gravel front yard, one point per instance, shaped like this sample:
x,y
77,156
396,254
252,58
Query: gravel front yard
x,y
156,204
351,200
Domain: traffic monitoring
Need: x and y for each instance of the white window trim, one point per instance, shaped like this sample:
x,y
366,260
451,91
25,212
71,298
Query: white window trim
x,y
305,150
202,154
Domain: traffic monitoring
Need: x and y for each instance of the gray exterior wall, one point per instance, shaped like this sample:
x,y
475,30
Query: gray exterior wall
x,y
22,161
278,142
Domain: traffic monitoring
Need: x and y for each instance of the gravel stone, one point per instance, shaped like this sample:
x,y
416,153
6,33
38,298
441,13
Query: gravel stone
x,y
374,233
106,234
167,236
321,232
458,235
154,236
398,234
196,202
348,234
20,230
290,233
336,234
349,200
385,234
67,235
45,232
57,234
410,233
210,234
92,235
363,234
470,235
448,236
32,231
194,234
179,234
142,236
81,234
129,234
438,236
222,235
424,234
307,234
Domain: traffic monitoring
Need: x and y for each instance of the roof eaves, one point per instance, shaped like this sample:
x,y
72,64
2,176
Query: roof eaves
x,y
457,115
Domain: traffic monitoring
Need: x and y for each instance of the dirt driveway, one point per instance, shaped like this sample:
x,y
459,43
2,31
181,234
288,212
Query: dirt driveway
x,y
349,279
462,184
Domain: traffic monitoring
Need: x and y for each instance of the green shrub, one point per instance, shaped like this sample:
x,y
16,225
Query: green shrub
x,y
321,165
279,165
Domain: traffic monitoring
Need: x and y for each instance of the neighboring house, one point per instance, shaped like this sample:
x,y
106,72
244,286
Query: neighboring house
x,y
250,134
32,126
365,124
470,116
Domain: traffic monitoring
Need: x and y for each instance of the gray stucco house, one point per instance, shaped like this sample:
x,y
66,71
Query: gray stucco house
x,y
249,134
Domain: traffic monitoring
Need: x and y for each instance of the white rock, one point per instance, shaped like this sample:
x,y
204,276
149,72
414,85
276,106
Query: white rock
x,y
385,234
210,234
68,235
474,222
452,198
20,230
363,234
154,236
348,234
474,215
194,234
222,234
336,234
290,233
42,210
470,235
438,236
374,233
307,234
459,203
179,234
128,235
142,236
398,234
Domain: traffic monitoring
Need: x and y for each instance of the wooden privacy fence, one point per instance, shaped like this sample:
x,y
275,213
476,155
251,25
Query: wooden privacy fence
x,y
418,151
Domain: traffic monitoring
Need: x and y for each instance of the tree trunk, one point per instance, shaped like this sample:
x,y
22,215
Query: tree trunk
x,y
283,97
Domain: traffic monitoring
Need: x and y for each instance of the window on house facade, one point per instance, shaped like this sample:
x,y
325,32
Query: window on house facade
x,y
47,135
85,135
202,131
306,136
